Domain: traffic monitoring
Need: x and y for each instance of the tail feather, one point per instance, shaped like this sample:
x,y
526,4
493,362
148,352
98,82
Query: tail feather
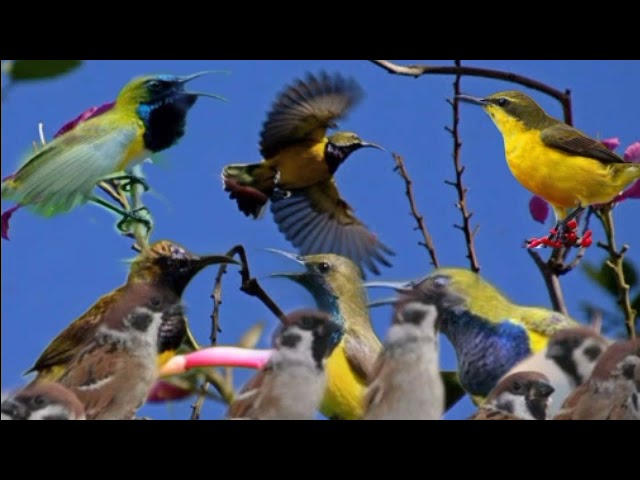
x,y
250,186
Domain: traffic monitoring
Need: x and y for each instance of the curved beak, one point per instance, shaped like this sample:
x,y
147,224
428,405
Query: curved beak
x,y
188,78
372,145
295,276
474,100
199,262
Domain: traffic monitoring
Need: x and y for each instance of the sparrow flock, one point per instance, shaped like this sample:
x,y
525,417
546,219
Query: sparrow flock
x,y
516,362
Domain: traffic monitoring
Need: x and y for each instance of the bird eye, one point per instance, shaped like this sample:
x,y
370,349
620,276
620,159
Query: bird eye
x,y
155,302
323,268
517,386
154,85
441,281
38,401
308,323
503,102
177,252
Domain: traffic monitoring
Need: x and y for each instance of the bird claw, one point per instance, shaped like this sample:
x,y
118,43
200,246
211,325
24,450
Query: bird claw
x,y
563,235
131,180
138,216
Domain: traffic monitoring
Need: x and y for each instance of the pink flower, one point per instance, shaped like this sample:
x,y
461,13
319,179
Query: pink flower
x,y
163,391
83,117
632,153
539,209
611,143
6,216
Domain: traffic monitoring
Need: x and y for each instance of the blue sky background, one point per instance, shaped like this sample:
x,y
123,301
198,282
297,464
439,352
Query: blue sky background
x,y
54,269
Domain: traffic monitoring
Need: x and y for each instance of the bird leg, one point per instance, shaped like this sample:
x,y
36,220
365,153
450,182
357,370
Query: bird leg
x,y
128,180
135,216
564,234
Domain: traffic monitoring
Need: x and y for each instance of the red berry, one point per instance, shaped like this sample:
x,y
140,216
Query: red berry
x,y
572,225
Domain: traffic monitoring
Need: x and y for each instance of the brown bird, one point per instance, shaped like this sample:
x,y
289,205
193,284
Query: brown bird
x,y
406,383
159,276
43,401
612,391
520,396
298,167
291,385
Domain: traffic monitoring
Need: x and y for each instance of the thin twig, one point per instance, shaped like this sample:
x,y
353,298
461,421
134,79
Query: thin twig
x,y
469,234
428,241
418,70
552,281
616,263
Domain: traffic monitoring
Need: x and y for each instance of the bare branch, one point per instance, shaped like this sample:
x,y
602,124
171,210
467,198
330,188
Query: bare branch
x,y
428,242
469,234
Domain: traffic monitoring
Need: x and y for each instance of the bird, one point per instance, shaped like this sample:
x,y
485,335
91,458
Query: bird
x,y
43,401
489,333
298,168
567,361
336,285
148,116
520,396
158,275
612,392
291,385
553,160
405,383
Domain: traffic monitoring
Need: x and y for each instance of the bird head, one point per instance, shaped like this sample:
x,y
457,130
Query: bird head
x,y
523,394
157,89
342,144
43,401
508,107
610,362
576,351
170,264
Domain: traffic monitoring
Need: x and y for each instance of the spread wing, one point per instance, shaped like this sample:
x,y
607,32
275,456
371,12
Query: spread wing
x,y
317,220
572,141
305,109
64,173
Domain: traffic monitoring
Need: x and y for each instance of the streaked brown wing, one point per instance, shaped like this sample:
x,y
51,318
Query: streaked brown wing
x,y
71,340
572,141
380,370
247,402
490,414
317,220
305,109
362,353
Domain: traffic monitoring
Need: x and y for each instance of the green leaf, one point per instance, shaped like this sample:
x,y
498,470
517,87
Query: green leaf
x,y
40,69
606,277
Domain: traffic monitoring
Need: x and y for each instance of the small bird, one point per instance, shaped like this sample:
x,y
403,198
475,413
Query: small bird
x,y
149,116
554,160
567,361
405,383
298,167
519,396
158,276
43,401
488,332
336,286
613,389
291,385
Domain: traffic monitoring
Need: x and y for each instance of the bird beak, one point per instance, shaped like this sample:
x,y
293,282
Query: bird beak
x,y
295,276
541,390
188,78
197,263
554,351
474,100
382,302
372,145
398,286
15,410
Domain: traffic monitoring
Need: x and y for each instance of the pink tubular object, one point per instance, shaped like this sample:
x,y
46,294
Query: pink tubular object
x,y
216,357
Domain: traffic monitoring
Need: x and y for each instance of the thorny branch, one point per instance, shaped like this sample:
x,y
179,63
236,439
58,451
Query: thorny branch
x,y
461,204
428,242
615,262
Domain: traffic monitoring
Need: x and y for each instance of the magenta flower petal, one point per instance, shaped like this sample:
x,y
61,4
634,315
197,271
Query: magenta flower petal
x,y
611,143
83,117
6,216
632,192
163,391
539,209
632,153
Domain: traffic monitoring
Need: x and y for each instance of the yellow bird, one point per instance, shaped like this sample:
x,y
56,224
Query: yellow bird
x,y
554,160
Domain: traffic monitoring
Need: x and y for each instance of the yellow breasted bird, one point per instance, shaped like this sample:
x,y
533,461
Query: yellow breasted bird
x,y
336,285
489,333
149,116
554,160
298,167
158,276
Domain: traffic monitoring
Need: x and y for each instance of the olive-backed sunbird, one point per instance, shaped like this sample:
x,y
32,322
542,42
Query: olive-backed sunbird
x,y
296,173
488,332
158,276
552,159
149,116
336,285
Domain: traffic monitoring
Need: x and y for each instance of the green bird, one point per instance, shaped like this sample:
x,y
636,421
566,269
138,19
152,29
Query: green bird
x,y
489,333
148,116
336,285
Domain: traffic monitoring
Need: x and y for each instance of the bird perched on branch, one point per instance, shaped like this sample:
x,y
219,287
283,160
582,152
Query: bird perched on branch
x,y
149,115
554,160
298,167
519,396
157,279
336,286
488,332
43,401
405,383
291,385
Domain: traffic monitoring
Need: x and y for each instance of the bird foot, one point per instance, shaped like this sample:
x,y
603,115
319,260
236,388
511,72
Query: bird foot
x,y
127,182
140,216
563,235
